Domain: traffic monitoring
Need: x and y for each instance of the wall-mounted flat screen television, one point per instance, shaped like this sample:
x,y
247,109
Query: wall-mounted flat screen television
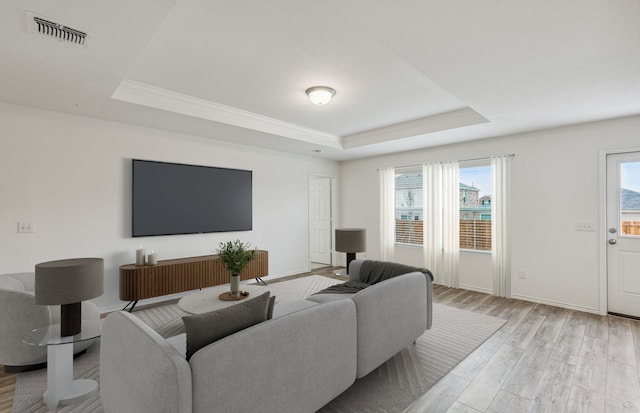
x,y
171,198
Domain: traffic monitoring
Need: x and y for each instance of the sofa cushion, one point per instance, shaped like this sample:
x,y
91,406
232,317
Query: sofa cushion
x,y
321,297
288,307
204,329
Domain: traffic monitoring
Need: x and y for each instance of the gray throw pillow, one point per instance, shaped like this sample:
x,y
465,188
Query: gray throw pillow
x,y
204,329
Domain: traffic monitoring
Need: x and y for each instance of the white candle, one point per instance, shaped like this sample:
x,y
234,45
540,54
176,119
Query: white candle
x,y
152,259
140,253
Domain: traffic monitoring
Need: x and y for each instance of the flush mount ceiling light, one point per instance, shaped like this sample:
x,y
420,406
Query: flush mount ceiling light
x,y
320,95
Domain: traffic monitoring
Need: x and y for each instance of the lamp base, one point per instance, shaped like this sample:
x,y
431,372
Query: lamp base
x,y
350,257
70,319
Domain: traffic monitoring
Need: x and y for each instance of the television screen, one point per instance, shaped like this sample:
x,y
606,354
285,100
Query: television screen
x,y
170,198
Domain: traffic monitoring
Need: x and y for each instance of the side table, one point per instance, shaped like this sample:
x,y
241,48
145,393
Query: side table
x,y
62,389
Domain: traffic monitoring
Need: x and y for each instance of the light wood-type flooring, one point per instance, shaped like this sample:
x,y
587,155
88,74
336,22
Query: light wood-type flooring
x,y
544,359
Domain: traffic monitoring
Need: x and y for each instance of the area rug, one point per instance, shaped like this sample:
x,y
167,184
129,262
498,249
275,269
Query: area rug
x,y
390,388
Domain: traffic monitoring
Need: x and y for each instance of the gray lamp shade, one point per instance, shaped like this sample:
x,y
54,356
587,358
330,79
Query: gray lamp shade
x,y
351,239
69,281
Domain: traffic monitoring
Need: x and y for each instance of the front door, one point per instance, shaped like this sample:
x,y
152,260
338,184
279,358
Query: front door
x,y
623,233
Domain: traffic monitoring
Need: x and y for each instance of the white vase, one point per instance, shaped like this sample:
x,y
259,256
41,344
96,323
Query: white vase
x,y
235,285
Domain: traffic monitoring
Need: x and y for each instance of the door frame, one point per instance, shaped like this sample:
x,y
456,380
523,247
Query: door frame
x,y
602,227
332,206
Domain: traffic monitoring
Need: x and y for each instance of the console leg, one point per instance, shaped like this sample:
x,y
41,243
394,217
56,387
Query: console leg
x,y
132,306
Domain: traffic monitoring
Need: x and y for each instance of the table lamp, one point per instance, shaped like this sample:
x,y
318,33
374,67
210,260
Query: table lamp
x,y
68,283
351,240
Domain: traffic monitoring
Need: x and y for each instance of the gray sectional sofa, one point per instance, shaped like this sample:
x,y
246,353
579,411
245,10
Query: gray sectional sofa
x,y
309,353
393,308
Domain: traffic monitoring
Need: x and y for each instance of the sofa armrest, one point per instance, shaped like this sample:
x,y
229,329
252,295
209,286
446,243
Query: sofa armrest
x,y
354,270
429,286
139,370
391,315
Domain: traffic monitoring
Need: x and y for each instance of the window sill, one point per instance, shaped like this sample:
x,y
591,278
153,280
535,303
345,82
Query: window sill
x,y
399,244
481,252
466,251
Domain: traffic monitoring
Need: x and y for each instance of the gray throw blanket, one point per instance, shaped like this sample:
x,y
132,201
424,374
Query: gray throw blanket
x,y
372,272
350,287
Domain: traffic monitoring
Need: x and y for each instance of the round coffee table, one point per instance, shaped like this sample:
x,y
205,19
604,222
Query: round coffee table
x,y
207,299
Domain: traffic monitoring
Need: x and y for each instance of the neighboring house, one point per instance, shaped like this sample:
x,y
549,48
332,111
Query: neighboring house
x,y
409,196
630,207
480,212
469,196
409,200
472,207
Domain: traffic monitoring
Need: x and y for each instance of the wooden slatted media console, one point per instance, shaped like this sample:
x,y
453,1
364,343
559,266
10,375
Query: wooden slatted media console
x,y
138,282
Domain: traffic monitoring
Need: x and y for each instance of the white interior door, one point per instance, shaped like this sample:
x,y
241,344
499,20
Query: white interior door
x,y
623,233
320,220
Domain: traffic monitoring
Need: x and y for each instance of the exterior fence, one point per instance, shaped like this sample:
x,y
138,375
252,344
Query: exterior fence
x,y
409,231
630,228
474,234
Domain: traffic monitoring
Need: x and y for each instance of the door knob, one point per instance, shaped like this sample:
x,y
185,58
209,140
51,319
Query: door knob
x,y
612,241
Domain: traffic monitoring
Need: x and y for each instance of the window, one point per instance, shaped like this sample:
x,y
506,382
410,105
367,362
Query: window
x,y
475,206
409,207
630,199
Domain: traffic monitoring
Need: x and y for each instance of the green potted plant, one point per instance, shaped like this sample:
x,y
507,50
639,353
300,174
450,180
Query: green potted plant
x,y
235,256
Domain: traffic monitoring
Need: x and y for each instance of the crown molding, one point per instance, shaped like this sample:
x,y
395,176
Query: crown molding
x,y
444,121
155,97
159,98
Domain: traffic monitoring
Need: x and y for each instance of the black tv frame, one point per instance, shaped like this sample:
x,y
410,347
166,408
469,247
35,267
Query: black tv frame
x,y
174,199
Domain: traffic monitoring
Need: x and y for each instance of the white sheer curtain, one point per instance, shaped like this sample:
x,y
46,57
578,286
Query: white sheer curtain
x,y
387,213
441,234
450,223
500,205
432,223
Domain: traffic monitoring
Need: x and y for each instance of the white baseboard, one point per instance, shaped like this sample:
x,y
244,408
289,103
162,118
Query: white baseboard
x,y
556,303
476,289
537,300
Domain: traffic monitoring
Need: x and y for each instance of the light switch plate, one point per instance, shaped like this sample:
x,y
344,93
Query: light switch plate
x,y
26,227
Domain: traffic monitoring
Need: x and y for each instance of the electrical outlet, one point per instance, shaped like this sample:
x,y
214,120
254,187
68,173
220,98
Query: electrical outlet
x,y
26,227
522,275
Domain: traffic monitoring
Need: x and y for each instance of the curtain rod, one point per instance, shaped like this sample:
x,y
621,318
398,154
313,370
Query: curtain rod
x,y
511,155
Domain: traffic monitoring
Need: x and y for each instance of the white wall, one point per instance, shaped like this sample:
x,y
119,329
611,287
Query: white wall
x,y
554,185
72,176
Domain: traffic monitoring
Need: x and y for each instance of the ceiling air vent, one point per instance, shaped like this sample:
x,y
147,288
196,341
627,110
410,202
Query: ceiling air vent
x,y
55,30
